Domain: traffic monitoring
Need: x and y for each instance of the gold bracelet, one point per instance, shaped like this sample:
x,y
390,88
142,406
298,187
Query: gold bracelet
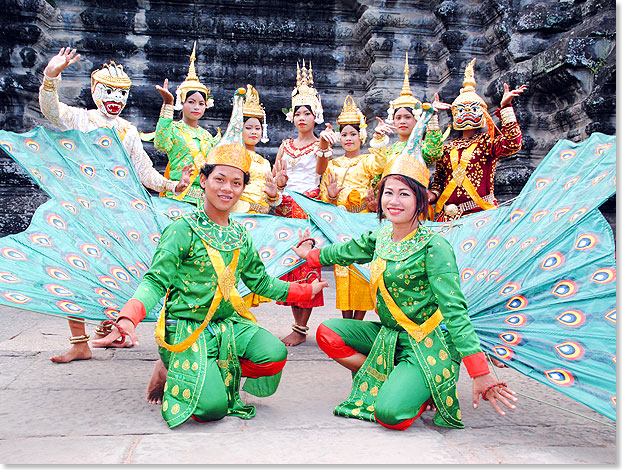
x,y
507,115
272,199
433,123
49,84
167,111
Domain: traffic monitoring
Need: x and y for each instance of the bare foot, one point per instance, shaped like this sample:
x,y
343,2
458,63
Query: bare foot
x,y
77,352
294,339
155,389
430,406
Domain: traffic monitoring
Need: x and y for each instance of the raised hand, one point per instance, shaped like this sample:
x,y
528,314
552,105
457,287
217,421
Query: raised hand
x,y
167,96
305,244
438,104
493,391
332,188
371,202
509,95
186,178
65,57
280,173
328,137
270,189
383,128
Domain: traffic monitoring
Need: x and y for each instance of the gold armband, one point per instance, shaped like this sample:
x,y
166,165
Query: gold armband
x,y
507,115
50,84
433,123
167,111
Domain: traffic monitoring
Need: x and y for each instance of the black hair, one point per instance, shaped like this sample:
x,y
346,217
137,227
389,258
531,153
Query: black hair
x,y
303,106
421,195
246,118
356,126
207,170
410,109
192,92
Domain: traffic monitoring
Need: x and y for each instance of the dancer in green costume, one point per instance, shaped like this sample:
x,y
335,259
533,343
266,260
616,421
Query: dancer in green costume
x,y
405,360
208,338
186,143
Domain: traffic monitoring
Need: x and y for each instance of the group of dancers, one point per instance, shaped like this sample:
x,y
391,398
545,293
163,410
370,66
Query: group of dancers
x,y
208,339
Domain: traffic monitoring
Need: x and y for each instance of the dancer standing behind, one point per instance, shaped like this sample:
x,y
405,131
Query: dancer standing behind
x,y
402,361
305,162
185,142
464,180
207,336
346,183
110,87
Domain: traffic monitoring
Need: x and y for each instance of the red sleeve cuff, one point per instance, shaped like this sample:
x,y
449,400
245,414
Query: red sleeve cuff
x,y
133,310
299,292
313,259
476,364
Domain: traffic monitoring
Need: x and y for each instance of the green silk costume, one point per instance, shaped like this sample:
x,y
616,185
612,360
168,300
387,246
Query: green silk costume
x,y
421,276
184,145
181,265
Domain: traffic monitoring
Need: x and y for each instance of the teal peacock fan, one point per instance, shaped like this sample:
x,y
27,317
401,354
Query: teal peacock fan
x,y
539,274
87,248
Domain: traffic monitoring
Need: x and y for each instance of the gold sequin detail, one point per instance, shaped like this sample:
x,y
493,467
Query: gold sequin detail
x,y
228,380
195,366
364,387
195,347
450,401
374,391
165,405
371,408
428,342
175,408
438,379
186,365
186,394
165,386
431,360
356,411
446,373
459,414
223,328
189,329
443,355
175,391
379,360
359,403
456,393
452,368
176,364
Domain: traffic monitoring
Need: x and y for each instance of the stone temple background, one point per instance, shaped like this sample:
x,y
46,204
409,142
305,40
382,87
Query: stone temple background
x,y
563,50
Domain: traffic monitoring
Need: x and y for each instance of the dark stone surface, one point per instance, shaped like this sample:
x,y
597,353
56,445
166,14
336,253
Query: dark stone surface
x,y
563,50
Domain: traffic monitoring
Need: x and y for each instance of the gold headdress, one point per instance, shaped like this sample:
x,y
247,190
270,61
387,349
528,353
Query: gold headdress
x,y
410,162
351,114
305,95
231,150
112,75
406,98
469,110
192,83
253,108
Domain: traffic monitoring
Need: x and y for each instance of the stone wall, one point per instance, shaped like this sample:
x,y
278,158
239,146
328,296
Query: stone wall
x,y
563,50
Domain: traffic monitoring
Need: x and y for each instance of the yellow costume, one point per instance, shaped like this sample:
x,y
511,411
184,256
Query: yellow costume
x,y
354,174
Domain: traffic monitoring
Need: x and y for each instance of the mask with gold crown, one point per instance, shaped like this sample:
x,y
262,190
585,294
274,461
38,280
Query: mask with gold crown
x,y
305,95
406,98
469,110
192,83
352,115
110,88
253,108
410,162
231,150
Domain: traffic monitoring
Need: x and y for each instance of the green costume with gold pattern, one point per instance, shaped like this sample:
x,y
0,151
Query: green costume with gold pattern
x,y
404,369
203,380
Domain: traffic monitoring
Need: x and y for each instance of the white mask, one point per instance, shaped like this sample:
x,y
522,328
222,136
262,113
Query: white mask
x,y
110,100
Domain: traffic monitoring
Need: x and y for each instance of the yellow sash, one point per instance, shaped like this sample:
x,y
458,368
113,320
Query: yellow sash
x,y
417,332
459,178
199,156
226,290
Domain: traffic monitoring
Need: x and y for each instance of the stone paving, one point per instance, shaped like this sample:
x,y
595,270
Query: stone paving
x,y
94,411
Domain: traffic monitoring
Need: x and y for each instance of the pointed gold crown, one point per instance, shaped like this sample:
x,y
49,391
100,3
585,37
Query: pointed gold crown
x,y
112,75
467,92
351,114
304,94
191,82
231,150
252,106
406,97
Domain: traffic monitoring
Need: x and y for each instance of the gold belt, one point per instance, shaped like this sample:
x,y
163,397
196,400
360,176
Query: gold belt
x,y
195,193
453,211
